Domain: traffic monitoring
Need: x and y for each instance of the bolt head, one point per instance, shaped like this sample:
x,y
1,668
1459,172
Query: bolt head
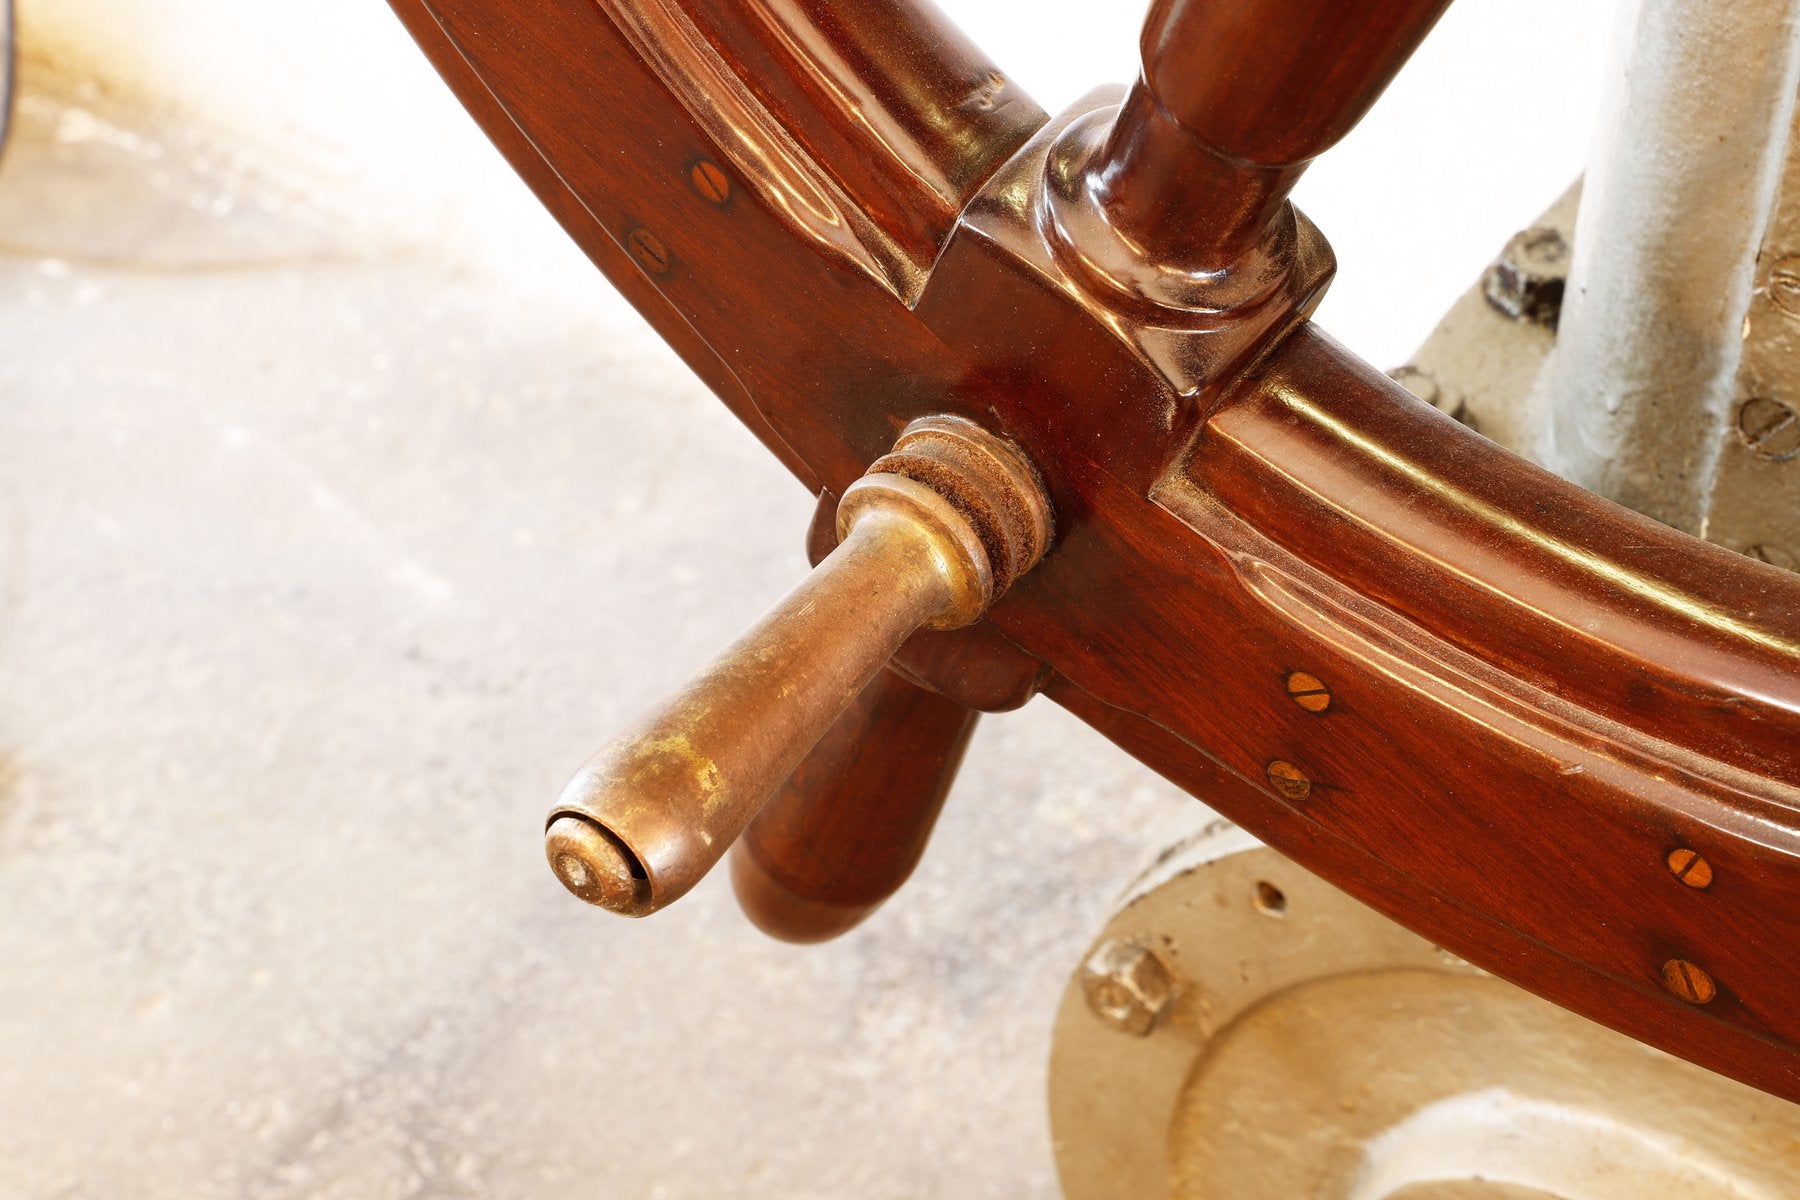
x,y
1784,286
1127,986
1526,282
1769,428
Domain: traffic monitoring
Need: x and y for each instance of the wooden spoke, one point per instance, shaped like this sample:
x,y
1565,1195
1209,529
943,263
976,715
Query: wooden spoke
x,y
1237,97
848,828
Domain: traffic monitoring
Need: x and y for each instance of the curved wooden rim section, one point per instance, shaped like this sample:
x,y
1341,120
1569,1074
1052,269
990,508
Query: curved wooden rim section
x,y
1603,608
1536,698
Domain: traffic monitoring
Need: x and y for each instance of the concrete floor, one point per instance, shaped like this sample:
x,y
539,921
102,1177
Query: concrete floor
x,y
323,561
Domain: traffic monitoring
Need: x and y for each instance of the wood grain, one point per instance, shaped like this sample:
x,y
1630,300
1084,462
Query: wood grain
x,y
1237,97
851,824
1536,697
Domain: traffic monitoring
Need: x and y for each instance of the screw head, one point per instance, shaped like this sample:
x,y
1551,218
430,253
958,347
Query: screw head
x,y
649,251
1288,780
1526,282
1687,866
1688,982
710,181
1127,986
1309,692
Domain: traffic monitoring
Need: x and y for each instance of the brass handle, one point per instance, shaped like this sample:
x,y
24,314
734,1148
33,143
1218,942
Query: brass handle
x,y
928,538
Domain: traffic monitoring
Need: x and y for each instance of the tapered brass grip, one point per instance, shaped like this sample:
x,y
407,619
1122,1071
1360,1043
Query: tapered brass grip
x,y
928,538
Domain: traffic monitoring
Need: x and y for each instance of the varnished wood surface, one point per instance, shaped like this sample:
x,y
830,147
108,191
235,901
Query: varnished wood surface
x,y
1277,82
1395,501
931,111
851,824
1535,698
1237,97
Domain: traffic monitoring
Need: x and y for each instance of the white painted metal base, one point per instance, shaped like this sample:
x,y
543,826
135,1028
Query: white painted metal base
x,y
1313,1048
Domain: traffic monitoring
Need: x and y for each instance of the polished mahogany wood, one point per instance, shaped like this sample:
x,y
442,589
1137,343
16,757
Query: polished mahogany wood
x,y
1237,98
847,829
931,110
851,824
1537,702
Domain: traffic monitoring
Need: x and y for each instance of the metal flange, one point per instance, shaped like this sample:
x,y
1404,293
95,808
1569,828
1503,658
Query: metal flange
x,y
1242,1030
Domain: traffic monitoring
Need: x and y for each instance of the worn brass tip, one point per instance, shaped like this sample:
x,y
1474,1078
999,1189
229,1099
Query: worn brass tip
x,y
592,864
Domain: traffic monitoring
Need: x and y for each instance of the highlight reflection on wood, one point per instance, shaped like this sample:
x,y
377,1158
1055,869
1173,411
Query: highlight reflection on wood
x,y
851,823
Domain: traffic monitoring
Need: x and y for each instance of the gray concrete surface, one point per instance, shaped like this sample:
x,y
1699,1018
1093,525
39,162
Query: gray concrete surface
x,y
323,561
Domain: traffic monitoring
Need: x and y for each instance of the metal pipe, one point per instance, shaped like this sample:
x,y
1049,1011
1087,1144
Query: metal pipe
x,y
1688,163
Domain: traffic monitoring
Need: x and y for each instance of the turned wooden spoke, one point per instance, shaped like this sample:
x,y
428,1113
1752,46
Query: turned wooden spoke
x,y
1236,98
851,823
